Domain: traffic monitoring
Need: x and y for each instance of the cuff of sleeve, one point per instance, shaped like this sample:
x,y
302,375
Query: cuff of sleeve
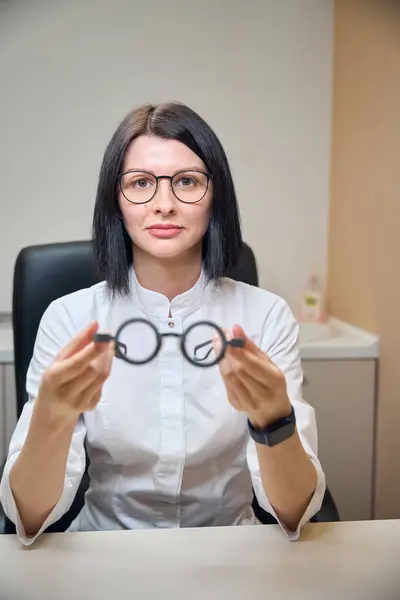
x,y
312,508
11,510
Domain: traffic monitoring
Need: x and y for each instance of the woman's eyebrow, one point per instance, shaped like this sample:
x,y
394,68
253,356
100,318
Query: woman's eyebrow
x,y
192,168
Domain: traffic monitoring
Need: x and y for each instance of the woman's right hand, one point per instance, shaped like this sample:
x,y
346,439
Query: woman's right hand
x,y
72,384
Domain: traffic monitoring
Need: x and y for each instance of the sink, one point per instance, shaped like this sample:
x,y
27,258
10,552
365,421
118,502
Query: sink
x,y
336,340
312,332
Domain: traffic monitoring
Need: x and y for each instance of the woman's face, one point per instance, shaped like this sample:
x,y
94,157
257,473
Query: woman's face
x,y
164,227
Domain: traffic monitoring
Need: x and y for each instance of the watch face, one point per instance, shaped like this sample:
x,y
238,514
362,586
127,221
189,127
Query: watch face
x,y
280,435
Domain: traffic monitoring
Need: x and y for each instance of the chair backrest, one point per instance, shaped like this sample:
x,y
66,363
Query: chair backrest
x,y
47,272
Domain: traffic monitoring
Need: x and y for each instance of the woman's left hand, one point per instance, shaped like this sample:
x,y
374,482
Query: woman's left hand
x,y
254,384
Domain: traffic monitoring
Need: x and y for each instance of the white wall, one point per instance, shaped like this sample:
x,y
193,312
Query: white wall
x,y
259,71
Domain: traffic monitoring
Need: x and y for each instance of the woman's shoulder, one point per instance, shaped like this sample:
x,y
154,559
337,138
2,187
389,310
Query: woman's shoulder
x,y
78,309
266,316
250,296
84,299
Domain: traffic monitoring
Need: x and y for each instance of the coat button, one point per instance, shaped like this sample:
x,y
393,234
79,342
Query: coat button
x,y
171,324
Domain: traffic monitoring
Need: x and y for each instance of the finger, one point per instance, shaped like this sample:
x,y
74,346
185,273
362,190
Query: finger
x,y
225,364
229,368
239,393
232,395
226,369
87,386
92,398
217,340
236,389
255,390
79,385
103,360
80,341
66,370
93,394
260,369
249,345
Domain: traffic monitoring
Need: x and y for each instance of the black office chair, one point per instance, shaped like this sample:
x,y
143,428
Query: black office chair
x,y
47,272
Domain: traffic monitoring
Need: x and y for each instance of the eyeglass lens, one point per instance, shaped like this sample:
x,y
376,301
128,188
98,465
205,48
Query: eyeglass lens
x,y
203,344
138,342
140,187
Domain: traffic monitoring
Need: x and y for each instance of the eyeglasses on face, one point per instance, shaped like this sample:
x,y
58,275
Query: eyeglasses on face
x,y
139,187
138,342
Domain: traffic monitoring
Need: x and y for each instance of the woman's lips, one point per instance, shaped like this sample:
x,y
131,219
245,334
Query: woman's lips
x,y
168,231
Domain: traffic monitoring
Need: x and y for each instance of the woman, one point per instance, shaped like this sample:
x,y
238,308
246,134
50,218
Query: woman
x,y
170,444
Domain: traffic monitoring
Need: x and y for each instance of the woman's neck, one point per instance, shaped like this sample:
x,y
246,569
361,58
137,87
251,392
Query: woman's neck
x,y
170,277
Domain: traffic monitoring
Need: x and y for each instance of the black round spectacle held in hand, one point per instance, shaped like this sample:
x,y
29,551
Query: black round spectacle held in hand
x,y
203,343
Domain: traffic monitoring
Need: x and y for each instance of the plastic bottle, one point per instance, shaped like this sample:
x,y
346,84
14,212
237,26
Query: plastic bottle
x,y
312,306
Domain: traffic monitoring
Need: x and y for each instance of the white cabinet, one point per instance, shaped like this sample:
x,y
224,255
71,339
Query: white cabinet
x,y
343,395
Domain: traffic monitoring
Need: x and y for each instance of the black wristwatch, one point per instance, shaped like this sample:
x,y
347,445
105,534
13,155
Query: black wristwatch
x,y
276,433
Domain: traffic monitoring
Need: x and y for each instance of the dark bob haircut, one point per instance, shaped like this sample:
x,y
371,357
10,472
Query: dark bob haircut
x,y
172,121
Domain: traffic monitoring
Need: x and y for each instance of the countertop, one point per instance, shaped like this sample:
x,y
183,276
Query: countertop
x,y
337,341
334,341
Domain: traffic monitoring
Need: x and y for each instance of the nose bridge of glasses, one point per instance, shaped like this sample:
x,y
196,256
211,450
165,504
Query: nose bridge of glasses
x,y
164,191
168,177
171,334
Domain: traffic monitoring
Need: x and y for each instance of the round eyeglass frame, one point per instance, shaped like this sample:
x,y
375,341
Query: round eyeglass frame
x,y
236,342
170,177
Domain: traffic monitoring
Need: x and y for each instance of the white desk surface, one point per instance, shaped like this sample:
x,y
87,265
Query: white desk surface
x,y
340,561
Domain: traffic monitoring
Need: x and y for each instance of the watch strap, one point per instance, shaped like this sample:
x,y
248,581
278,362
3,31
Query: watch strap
x,y
276,433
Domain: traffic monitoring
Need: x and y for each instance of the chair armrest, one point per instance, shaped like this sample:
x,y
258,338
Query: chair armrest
x,y
328,512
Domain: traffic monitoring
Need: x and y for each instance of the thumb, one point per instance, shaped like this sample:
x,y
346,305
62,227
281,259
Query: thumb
x,y
238,331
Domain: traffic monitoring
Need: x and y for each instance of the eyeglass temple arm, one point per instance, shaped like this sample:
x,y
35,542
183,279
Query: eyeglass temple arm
x,y
106,337
236,342
200,346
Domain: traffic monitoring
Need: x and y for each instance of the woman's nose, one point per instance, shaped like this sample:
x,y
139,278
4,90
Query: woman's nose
x,y
164,200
